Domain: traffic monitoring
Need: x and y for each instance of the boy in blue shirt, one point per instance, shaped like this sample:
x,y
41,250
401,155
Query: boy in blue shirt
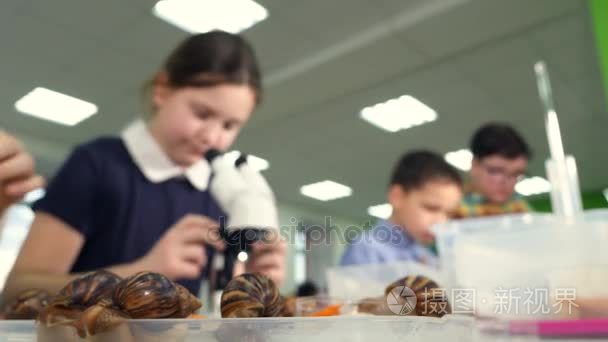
x,y
423,191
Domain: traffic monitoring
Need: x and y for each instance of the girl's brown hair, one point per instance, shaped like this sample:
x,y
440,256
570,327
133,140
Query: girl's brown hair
x,y
212,58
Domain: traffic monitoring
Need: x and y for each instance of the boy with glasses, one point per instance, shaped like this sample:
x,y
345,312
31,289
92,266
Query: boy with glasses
x,y
500,160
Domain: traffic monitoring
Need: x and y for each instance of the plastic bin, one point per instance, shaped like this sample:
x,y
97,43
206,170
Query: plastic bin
x,y
527,266
335,329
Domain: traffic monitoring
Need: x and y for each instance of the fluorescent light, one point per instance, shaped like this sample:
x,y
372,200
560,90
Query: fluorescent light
x,y
326,190
533,186
198,16
460,159
256,162
398,113
34,195
54,106
382,211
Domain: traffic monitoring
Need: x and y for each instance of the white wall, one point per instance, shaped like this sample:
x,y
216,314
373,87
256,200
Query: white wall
x,y
321,255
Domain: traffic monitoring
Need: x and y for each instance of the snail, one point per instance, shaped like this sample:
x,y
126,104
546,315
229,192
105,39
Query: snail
x,y
289,307
98,301
251,295
28,304
78,295
431,300
373,306
142,295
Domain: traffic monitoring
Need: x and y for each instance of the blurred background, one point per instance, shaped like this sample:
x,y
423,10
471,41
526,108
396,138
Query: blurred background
x,y
471,61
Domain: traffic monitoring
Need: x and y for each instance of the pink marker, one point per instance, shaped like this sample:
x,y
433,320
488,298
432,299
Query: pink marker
x,y
561,328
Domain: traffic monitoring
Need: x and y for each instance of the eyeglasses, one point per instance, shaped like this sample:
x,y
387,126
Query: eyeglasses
x,y
499,173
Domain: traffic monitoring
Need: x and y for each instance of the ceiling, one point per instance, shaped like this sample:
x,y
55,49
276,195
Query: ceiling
x,y
471,60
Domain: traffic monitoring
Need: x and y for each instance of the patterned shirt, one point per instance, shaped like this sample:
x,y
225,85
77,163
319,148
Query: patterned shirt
x,y
474,204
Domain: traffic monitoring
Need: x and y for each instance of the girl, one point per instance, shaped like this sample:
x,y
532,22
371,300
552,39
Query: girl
x,y
140,202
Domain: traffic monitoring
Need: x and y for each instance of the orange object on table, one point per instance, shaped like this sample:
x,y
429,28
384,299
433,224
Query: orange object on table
x,y
196,316
331,310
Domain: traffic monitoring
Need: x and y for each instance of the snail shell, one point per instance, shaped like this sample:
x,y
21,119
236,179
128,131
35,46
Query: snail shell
x,y
416,283
78,295
152,295
188,302
289,307
87,290
28,304
142,295
374,306
251,295
431,299
98,318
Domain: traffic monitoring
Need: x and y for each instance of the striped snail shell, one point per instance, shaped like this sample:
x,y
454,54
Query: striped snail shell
x,y
431,299
28,304
251,295
86,290
415,283
188,303
78,295
152,295
142,295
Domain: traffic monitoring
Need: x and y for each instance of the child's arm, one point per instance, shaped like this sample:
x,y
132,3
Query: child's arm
x,y
46,257
17,173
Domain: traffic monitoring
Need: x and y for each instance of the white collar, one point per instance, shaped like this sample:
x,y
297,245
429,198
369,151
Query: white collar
x,y
155,164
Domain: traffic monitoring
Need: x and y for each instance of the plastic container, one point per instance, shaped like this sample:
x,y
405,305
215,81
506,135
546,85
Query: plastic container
x,y
370,281
524,266
335,329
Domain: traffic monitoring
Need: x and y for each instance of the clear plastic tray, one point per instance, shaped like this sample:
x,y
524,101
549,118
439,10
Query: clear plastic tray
x,y
334,329
347,329
528,266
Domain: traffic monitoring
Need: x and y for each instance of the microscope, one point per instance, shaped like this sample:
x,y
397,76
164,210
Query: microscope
x,y
249,203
